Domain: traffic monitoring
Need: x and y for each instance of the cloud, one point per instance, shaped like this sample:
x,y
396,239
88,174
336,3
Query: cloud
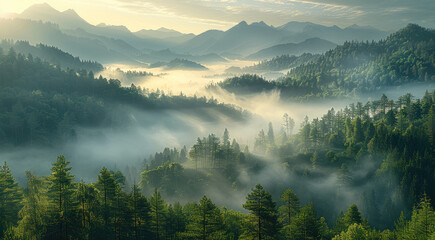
x,y
224,13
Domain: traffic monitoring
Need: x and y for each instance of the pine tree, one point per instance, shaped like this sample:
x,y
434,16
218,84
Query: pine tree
x,y
32,224
207,220
352,215
290,207
271,135
263,217
305,225
358,133
10,199
140,208
158,214
107,186
63,205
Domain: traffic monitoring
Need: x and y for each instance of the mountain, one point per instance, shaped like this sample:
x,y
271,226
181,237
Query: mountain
x,y
165,34
179,64
49,34
241,39
244,39
312,45
70,22
304,30
68,19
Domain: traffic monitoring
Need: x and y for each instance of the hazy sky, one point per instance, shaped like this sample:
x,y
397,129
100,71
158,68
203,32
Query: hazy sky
x,y
199,15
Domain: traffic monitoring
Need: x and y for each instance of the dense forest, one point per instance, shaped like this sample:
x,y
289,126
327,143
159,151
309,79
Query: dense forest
x,y
381,151
277,63
394,138
407,56
51,55
41,103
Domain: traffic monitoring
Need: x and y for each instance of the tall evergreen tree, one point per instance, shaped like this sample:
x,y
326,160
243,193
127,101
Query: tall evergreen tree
x,y
290,207
33,216
158,214
107,186
263,218
10,199
63,205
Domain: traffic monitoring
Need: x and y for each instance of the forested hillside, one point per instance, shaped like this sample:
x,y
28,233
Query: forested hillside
x,y
407,56
42,104
277,63
404,57
382,150
381,153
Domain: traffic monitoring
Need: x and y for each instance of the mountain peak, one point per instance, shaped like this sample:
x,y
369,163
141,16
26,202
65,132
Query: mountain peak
x,y
71,12
242,23
40,8
259,24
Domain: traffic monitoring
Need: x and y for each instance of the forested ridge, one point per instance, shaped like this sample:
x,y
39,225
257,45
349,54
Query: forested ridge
x,y
396,137
51,55
407,56
277,63
41,103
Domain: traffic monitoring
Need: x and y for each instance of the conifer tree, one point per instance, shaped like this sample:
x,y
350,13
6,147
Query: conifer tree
x,y
158,214
33,215
263,219
63,205
290,207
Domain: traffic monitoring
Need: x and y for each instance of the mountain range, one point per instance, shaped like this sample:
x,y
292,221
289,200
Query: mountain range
x,y
245,39
41,23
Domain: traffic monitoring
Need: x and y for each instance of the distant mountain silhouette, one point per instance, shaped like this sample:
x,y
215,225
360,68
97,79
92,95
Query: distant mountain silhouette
x,y
69,21
244,39
312,45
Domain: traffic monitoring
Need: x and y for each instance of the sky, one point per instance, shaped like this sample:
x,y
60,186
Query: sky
x,y
196,16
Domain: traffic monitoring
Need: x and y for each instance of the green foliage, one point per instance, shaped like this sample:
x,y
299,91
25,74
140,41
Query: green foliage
x,y
52,55
263,223
206,222
10,200
158,212
355,67
305,225
56,207
63,205
43,105
290,207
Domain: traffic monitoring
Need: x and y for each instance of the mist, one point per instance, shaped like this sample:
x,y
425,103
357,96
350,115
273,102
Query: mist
x,y
138,134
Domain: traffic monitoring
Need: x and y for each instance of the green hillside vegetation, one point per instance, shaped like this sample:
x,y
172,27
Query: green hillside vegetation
x,y
384,148
311,45
52,55
404,57
42,103
397,136
407,56
277,63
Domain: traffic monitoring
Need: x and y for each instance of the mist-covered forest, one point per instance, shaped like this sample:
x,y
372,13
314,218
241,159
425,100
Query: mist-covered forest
x,y
295,130
362,172
406,56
